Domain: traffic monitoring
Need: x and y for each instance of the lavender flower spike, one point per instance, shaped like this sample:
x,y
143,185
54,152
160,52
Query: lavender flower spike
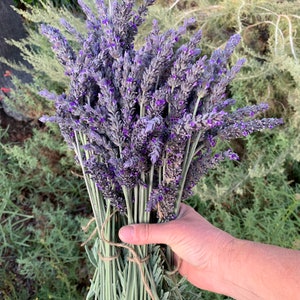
x,y
150,117
50,96
60,46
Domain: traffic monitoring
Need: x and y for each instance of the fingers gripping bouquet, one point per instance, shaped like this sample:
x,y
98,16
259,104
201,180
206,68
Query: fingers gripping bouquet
x,y
143,124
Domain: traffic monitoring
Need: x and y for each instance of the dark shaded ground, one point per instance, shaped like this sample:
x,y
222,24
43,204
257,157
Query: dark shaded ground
x,y
17,132
11,25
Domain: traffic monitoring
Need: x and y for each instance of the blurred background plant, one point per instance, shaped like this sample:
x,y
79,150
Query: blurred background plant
x,y
57,3
43,201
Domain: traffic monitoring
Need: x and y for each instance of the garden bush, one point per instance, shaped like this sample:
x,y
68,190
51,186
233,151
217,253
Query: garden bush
x,y
42,207
44,202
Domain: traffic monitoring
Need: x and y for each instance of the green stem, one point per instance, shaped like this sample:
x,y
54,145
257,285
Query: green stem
x,y
189,155
128,202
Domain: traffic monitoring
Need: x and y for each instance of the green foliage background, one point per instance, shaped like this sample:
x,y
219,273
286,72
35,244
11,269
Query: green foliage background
x,y
43,201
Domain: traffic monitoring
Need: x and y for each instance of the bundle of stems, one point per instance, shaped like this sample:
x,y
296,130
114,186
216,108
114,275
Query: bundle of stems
x,y
144,124
123,271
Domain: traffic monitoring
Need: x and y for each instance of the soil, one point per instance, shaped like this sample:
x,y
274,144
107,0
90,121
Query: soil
x,y
16,131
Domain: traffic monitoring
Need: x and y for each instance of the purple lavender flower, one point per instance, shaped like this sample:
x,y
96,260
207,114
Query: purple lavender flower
x,y
242,129
151,116
65,54
79,37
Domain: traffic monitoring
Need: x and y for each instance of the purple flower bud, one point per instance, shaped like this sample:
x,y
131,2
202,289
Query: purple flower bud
x,y
105,21
231,155
45,119
48,95
160,102
192,124
125,132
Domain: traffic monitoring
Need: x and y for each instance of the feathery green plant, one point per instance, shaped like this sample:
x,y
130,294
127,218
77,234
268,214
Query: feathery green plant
x,y
56,3
40,206
262,194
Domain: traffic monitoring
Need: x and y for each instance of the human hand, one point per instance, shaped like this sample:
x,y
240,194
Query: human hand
x,y
198,246
213,260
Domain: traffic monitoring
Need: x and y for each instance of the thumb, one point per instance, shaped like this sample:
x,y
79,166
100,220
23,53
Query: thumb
x,y
141,234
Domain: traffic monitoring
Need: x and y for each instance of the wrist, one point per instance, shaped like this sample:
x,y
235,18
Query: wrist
x,y
224,266
218,273
241,279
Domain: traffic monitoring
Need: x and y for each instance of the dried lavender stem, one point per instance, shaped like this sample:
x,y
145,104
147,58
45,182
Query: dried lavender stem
x,y
150,186
89,183
137,195
186,165
128,205
160,172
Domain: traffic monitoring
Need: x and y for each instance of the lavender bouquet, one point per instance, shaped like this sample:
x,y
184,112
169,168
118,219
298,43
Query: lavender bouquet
x,y
144,124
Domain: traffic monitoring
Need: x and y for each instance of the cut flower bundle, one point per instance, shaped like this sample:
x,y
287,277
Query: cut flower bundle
x,y
144,124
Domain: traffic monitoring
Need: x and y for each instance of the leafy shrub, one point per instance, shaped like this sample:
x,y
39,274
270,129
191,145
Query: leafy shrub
x,y
256,198
40,213
56,3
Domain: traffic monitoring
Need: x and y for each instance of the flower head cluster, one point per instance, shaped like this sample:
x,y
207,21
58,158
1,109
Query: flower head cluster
x,y
151,116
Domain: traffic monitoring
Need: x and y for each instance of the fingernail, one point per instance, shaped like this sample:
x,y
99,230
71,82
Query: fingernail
x,y
126,233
